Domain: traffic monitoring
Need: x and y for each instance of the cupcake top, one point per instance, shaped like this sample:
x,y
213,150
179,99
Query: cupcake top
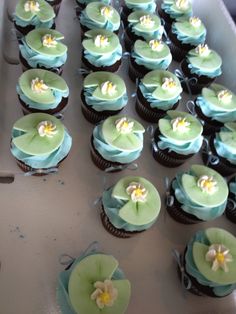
x,y
191,31
147,5
89,1
204,61
133,203
225,142
94,285
38,13
153,54
178,8
145,25
99,15
211,259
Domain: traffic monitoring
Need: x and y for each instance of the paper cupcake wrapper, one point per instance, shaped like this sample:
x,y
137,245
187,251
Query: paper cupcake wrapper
x,y
112,68
177,54
230,211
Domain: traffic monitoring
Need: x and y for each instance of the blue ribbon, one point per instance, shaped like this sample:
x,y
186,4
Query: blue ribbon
x,y
132,166
231,204
169,198
83,71
41,171
126,55
212,159
184,79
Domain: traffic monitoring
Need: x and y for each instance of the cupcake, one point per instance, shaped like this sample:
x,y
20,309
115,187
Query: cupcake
x,y
131,206
230,211
144,26
197,195
39,143
215,106
157,92
147,56
221,151
98,15
56,4
177,138
102,51
93,284
172,10
209,263
201,66
185,35
83,3
42,91
42,49
103,95
116,142
31,15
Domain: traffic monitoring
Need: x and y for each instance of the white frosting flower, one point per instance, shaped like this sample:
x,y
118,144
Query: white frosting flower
x,y
107,11
147,21
137,192
31,6
156,45
108,88
46,128
195,21
219,255
203,50
105,293
38,86
169,84
182,4
124,126
49,41
225,96
207,184
180,124
101,41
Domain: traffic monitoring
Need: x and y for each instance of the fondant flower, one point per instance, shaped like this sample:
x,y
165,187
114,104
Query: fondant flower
x,y
124,126
137,192
147,21
182,4
195,21
169,84
105,293
107,11
49,41
207,184
108,88
219,255
31,6
203,50
156,45
38,86
225,96
101,41
180,124
46,128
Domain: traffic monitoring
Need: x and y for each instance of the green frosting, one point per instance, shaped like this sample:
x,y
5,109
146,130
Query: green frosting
x,y
229,138
211,95
30,142
166,129
206,63
52,80
216,236
143,49
96,79
126,142
156,79
134,18
45,14
89,44
196,194
93,11
186,28
93,268
139,212
35,42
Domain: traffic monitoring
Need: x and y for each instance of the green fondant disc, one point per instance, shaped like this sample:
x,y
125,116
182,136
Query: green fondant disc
x,y
135,18
143,49
185,28
93,11
138,1
45,14
228,138
209,63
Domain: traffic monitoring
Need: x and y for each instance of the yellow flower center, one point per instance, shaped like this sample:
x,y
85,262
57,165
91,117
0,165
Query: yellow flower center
x,y
39,85
105,298
49,39
220,257
208,184
138,192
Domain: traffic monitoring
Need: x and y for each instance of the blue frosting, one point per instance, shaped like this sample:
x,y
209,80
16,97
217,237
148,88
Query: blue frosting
x,y
152,64
168,8
187,39
214,112
191,268
35,59
148,36
156,103
107,59
224,150
34,21
101,105
149,7
113,154
112,206
211,74
44,161
32,104
90,24
89,1
187,205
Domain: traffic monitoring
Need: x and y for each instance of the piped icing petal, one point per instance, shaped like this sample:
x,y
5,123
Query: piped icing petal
x,y
177,8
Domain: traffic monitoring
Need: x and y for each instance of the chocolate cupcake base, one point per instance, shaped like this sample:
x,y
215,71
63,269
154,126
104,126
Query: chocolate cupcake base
x,y
178,50
130,38
167,19
230,211
36,172
112,68
136,71
25,30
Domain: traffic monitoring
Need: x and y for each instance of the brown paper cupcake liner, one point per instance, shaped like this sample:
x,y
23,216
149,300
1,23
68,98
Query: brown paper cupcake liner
x,y
25,30
136,71
38,172
230,211
177,54
112,68
167,19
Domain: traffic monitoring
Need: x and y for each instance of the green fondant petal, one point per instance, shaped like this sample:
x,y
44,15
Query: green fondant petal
x,y
89,45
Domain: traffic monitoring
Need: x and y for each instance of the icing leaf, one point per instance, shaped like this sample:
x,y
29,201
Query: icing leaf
x,y
228,138
210,62
231,126
144,49
186,28
93,11
211,94
135,17
44,14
